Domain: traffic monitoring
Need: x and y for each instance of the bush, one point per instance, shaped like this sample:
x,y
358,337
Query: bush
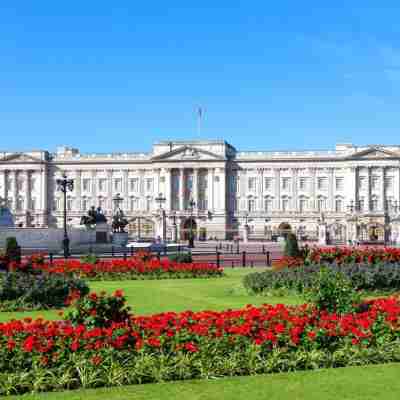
x,y
90,259
28,291
291,246
333,292
181,258
13,251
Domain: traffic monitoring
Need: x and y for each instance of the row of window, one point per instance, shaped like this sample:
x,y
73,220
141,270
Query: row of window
x,y
20,204
133,185
321,182
21,184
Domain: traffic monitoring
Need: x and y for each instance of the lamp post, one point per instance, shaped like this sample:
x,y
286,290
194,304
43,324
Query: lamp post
x,y
192,204
160,200
173,216
64,185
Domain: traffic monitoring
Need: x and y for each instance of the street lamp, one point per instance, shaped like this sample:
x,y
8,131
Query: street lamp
x,y
64,185
160,200
192,204
246,216
173,216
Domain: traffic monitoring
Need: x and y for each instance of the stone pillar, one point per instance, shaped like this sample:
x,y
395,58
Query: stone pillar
x,y
331,202
125,189
260,189
211,189
168,190
277,174
383,192
78,189
196,187
27,191
3,185
294,189
15,188
368,202
313,188
43,195
109,204
222,189
181,189
94,189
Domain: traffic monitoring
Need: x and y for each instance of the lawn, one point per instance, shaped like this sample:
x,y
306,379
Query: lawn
x,y
154,296
379,382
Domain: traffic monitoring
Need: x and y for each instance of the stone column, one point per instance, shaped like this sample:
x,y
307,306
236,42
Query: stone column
x,y
277,174
94,188
109,204
368,204
222,189
211,188
15,188
78,189
168,190
27,190
142,199
313,183
125,189
3,184
330,190
383,192
260,189
294,189
44,195
181,189
196,187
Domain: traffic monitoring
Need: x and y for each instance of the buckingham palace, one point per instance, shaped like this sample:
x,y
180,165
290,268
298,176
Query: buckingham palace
x,y
215,189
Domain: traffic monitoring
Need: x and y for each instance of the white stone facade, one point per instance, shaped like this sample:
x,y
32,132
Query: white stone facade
x,y
355,190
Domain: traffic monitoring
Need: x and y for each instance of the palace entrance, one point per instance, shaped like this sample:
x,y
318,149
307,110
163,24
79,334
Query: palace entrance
x,y
189,225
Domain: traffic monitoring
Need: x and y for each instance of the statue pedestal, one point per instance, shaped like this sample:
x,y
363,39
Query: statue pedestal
x,y
245,234
120,238
322,239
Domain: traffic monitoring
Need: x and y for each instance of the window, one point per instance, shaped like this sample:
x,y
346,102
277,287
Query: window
x,y
361,204
234,204
268,183
374,203
389,182
268,204
86,184
303,183
285,204
338,205
252,184
362,182
302,204
375,182
118,184
285,183
20,184
33,204
69,203
57,204
33,184
102,185
251,205
149,185
322,183
102,202
134,184
321,204
149,204
134,203
10,203
85,204
20,204
9,184
339,183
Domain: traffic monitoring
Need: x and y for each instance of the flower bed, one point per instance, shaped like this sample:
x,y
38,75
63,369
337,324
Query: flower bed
x,y
132,268
50,355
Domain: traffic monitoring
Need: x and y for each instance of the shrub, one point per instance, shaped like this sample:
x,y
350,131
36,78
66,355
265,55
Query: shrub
x,y
28,291
291,246
181,258
90,259
332,291
13,251
99,311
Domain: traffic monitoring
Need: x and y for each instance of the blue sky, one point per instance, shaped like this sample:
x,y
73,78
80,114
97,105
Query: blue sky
x,y
117,76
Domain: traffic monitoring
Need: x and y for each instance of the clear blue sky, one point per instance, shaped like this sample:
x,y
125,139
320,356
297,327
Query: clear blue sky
x,y
119,75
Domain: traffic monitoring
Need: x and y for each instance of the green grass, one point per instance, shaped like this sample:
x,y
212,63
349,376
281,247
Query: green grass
x,y
154,296
379,382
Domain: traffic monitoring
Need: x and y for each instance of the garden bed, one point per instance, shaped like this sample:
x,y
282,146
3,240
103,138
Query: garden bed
x,y
42,355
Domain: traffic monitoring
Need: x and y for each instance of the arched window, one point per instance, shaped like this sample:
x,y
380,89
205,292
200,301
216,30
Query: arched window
x,y
134,204
251,205
102,202
285,203
70,203
374,203
20,203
